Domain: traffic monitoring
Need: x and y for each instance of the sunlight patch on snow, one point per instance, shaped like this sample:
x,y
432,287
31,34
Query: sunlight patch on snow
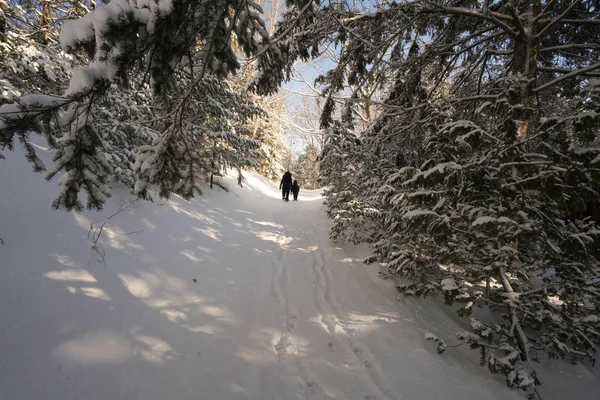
x,y
243,212
153,349
208,329
275,237
318,197
103,347
205,249
65,260
183,239
210,232
258,251
214,311
111,236
369,319
136,286
190,255
82,220
362,323
254,356
96,293
265,223
72,275
318,320
93,292
151,279
309,249
255,182
118,239
292,345
193,214
171,298
174,315
268,236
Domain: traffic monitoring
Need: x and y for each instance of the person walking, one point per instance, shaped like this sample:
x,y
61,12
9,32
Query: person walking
x,y
286,185
295,190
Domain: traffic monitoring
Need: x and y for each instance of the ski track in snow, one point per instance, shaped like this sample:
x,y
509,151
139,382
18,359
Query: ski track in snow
x,y
358,355
284,348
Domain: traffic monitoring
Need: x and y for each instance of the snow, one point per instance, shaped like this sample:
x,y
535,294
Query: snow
x,y
233,295
85,78
165,5
11,111
483,220
439,168
75,31
592,319
417,213
448,284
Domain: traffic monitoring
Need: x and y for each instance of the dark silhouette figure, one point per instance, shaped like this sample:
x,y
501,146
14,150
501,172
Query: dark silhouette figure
x,y
286,184
295,190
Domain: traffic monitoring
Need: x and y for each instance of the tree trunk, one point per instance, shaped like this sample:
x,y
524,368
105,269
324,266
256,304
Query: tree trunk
x,y
212,171
45,21
2,23
526,51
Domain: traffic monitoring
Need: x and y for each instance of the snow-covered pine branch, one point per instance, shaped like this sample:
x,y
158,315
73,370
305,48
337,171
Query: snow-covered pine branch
x,y
129,50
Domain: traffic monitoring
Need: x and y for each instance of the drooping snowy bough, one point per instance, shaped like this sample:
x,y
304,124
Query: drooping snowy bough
x,y
178,51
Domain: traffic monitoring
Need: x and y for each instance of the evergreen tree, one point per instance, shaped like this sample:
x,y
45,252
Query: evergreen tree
x,y
306,167
266,128
125,40
479,161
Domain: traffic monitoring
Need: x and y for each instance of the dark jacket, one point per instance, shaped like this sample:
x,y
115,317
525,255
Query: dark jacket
x,y
286,181
295,188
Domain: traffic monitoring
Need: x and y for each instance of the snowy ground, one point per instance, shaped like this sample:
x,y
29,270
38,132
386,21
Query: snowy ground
x,y
231,296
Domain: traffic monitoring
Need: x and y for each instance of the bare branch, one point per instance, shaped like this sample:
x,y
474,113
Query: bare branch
x,y
565,70
581,21
517,20
571,46
495,18
283,34
571,74
557,20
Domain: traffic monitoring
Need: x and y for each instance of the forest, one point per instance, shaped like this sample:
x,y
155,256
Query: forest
x,y
458,138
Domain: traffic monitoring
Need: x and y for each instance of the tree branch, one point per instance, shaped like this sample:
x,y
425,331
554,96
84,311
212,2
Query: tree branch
x,y
567,76
557,20
493,17
571,46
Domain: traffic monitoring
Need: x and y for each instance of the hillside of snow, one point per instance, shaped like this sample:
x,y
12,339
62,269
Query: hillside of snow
x,y
233,295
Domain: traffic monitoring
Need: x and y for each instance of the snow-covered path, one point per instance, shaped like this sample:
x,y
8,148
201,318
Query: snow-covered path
x,y
230,296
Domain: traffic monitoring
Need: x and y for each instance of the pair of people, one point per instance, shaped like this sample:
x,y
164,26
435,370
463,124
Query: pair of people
x,y
286,185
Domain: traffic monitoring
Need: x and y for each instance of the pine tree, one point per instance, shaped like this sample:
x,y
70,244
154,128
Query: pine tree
x,y
125,40
479,161
306,167
266,128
